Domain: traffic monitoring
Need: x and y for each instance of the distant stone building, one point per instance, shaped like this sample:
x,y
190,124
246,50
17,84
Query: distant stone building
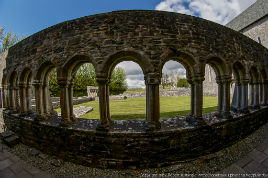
x,y
253,22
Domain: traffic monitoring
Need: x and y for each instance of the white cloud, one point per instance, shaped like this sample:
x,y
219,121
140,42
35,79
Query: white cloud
x,y
220,11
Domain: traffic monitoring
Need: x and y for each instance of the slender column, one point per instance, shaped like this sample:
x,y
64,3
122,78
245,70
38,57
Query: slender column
x,y
39,99
12,98
103,105
28,98
251,95
192,98
70,91
197,102
152,82
265,93
244,96
23,97
226,99
256,95
64,102
4,93
17,98
220,95
236,102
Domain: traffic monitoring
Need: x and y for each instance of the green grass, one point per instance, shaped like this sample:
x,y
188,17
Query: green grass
x,y
135,108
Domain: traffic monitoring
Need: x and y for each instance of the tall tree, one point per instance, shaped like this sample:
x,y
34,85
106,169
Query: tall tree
x,y
118,82
8,39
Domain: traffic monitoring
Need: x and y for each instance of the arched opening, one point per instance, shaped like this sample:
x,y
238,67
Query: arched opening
x,y
216,88
44,106
14,92
254,86
26,91
4,93
127,91
77,80
240,91
195,115
175,90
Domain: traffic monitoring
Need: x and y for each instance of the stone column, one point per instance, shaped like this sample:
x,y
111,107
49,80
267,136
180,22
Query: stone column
x,y
226,99
65,102
244,96
29,98
11,99
192,98
196,102
39,102
105,121
236,101
256,104
4,95
265,93
152,82
220,96
23,97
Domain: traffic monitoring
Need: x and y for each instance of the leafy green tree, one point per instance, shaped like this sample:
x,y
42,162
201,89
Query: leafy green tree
x,y
86,76
183,83
8,39
118,82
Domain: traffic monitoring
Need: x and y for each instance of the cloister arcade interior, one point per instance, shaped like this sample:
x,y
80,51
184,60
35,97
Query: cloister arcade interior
x,y
249,86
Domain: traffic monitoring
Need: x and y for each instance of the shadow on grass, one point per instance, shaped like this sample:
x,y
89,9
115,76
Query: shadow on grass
x,y
162,115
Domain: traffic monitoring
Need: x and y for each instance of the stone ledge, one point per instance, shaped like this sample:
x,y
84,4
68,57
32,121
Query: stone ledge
x,y
127,145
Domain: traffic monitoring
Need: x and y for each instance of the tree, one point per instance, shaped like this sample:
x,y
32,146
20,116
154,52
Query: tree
x,y
118,82
7,40
183,83
164,80
86,76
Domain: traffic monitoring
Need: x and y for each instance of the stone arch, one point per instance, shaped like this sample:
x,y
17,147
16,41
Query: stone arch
x,y
184,58
240,96
25,87
121,56
13,91
42,97
223,80
190,64
66,75
103,82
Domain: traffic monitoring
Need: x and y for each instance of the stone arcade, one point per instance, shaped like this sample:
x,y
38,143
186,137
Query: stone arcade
x,y
149,38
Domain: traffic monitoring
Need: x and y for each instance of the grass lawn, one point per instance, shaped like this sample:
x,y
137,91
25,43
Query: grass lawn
x,y
135,108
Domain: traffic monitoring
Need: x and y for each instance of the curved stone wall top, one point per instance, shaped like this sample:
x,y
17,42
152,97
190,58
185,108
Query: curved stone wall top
x,y
151,35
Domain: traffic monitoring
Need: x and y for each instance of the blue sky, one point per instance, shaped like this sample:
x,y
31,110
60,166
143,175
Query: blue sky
x,y
30,16
25,17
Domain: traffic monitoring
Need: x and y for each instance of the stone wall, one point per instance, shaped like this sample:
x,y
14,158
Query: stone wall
x,y
127,144
258,31
175,92
3,56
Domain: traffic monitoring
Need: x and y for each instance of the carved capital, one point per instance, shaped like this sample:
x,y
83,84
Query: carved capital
x,y
152,79
103,80
37,83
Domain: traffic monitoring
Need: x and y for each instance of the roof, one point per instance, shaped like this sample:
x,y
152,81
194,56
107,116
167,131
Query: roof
x,y
252,14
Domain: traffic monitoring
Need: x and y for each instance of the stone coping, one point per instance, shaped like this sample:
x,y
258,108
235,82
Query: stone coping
x,y
128,145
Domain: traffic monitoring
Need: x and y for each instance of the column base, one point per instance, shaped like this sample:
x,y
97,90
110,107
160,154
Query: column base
x,y
226,115
254,107
195,121
149,126
105,127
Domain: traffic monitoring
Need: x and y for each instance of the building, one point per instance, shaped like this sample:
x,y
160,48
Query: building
x,y
253,22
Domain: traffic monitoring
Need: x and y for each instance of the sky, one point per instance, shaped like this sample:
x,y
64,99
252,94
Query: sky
x,y
26,17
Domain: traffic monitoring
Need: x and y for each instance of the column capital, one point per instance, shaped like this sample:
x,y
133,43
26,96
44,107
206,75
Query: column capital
x,y
244,81
37,83
198,79
65,83
22,84
152,79
103,80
